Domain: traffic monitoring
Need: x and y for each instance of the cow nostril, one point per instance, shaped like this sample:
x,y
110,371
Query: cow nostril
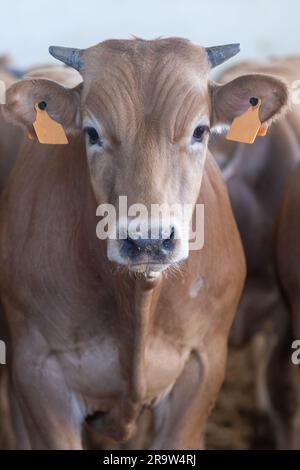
x,y
130,246
168,242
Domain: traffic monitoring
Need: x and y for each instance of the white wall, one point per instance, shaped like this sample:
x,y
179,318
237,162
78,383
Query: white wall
x,y
263,27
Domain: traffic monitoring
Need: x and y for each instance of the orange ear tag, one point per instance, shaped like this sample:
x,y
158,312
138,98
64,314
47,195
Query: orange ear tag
x,y
47,130
245,128
263,130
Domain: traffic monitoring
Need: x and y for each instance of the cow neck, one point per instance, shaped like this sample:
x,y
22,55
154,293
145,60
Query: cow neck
x,y
136,313
145,299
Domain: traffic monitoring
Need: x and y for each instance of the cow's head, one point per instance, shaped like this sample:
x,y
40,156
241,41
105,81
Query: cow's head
x,y
146,109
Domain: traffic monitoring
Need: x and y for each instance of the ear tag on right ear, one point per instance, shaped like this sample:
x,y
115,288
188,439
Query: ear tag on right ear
x,y
245,128
47,130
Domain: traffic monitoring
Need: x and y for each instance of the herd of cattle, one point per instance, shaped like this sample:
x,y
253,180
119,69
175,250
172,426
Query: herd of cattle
x,y
99,332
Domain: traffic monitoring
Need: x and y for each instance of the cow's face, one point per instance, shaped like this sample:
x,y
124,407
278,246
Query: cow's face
x,y
146,118
146,109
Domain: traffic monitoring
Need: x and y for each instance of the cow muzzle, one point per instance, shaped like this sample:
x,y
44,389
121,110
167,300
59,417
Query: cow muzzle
x,y
151,254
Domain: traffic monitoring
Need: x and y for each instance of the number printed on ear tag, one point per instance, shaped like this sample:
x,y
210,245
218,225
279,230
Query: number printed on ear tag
x,y
47,130
245,128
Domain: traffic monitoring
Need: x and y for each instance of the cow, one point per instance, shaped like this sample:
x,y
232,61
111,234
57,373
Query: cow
x,y
11,136
287,262
102,329
256,176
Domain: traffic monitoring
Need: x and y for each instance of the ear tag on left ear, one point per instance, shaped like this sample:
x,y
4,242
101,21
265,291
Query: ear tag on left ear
x,y
245,128
47,130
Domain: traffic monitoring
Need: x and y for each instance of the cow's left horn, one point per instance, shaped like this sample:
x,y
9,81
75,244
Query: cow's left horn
x,y
218,54
71,57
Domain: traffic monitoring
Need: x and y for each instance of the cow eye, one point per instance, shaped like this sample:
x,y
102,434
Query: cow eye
x,y
93,136
199,133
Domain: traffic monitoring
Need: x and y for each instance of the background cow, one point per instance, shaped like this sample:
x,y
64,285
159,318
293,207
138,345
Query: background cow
x,y
288,252
11,136
256,176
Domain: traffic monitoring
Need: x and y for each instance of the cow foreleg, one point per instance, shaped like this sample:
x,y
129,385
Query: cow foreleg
x,y
180,418
21,436
49,411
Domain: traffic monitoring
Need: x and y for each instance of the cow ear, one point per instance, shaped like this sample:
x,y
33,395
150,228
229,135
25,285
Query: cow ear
x,y
233,98
62,103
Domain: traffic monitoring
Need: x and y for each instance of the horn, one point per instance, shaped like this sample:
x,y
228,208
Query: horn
x,y
218,54
71,57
